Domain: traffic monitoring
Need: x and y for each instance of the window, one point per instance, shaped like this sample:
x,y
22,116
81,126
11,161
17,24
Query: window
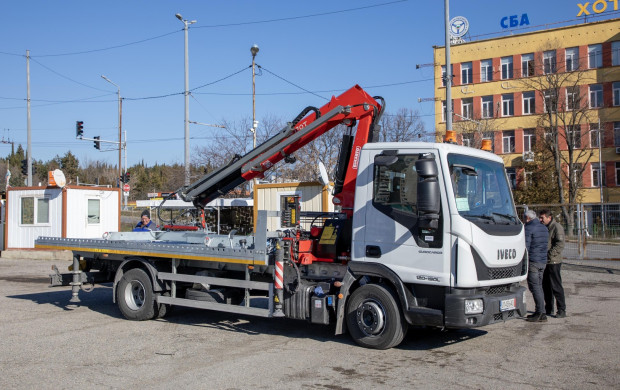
x,y
529,103
596,96
577,172
487,106
468,139
572,98
508,141
616,93
508,105
527,65
615,53
443,74
34,211
468,107
549,62
572,59
491,137
549,135
94,211
595,56
573,136
486,70
506,68
529,140
618,173
550,100
466,73
594,135
616,133
527,178
512,178
395,186
598,175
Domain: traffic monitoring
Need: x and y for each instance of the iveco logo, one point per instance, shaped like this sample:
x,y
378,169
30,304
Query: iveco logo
x,y
506,254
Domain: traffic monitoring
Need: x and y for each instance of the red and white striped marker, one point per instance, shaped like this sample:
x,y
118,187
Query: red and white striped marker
x,y
279,275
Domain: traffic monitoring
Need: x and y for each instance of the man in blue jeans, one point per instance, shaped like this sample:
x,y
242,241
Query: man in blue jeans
x,y
536,240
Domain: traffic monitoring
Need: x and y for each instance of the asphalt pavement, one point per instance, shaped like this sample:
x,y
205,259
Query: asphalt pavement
x,y
49,343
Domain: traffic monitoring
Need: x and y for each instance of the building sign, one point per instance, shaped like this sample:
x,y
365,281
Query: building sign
x,y
598,7
514,21
458,26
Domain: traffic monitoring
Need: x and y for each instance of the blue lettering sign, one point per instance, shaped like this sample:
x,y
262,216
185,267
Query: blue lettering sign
x,y
514,21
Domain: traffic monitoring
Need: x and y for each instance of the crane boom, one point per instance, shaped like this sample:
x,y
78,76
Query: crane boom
x,y
351,107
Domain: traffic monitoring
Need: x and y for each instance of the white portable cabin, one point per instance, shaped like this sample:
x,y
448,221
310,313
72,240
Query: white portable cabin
x,y
313,197
70,212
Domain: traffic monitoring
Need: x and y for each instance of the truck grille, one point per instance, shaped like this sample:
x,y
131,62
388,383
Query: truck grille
x,y
494,290
503,316
505,272
488,273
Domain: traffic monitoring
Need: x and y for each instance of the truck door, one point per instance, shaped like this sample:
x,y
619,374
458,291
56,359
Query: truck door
x,y
392,232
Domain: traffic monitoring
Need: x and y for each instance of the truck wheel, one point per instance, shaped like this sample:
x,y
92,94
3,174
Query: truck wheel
x,y
135,296
374,318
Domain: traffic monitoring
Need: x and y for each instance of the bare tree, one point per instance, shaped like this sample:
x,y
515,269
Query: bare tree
x,y
566,108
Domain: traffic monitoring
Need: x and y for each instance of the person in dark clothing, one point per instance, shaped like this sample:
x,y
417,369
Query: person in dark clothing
x,y
536,241
552,280
145,223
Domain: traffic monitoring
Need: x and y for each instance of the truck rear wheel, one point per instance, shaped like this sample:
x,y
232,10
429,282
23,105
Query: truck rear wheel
x,y
135,296
374,318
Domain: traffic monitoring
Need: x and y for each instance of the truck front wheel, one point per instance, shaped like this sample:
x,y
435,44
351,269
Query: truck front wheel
x,y
135,296
374,318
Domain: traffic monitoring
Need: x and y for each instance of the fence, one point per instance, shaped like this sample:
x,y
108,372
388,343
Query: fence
x,y
592,229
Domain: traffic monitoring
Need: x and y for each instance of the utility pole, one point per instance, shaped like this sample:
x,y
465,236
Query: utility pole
x,y
29,140
448,68
186,24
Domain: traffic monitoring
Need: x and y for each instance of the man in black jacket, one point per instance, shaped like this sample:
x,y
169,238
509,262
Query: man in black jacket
x,y
536,240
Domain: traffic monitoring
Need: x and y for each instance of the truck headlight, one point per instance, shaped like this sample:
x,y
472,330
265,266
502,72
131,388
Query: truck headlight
x,y
474,306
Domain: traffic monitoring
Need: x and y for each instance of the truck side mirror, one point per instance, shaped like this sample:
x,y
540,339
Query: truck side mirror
x,y
428,191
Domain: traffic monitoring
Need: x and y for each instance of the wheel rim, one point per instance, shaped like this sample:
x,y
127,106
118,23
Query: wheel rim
x,y
370,317
135,295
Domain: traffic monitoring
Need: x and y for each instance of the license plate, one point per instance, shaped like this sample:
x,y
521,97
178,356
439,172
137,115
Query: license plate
x,y
508,304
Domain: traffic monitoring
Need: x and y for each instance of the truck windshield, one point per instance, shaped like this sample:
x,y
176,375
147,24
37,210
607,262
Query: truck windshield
x,y
481,190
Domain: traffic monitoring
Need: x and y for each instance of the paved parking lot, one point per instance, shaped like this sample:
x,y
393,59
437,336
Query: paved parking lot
x,y
47,343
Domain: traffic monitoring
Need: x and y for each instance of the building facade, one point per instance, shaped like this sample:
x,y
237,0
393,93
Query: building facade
x,y
514,89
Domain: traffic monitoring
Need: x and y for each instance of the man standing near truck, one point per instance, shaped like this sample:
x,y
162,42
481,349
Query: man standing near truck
x,y
552,280
536,241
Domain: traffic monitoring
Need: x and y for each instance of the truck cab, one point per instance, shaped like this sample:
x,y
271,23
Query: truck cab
x,y
457,262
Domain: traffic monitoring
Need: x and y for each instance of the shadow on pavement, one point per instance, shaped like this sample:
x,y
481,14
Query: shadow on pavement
x,y
100,300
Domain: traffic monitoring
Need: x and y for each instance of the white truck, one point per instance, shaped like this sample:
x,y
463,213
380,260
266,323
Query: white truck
x,y
426,234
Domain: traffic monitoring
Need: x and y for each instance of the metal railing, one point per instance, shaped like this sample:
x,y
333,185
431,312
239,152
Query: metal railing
x,y
592,229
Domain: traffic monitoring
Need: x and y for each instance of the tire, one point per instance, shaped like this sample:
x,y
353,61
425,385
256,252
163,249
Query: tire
x,y
163,309
374,318
135,296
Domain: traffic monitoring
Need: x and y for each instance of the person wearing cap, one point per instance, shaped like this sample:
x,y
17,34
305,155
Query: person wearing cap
x,y
145,223
536,239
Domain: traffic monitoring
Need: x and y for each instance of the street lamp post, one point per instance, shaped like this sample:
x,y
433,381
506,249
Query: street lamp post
x,y
120,131
186,24
254,50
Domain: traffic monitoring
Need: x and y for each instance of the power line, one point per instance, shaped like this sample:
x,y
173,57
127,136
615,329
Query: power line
x,y
107,48
68,78
303,16
285,80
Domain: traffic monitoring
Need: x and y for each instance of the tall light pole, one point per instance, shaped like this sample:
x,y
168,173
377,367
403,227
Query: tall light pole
x,y
186,24
120,132
254,50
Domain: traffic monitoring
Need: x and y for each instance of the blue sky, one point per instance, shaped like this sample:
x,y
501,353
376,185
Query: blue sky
x,y
323,46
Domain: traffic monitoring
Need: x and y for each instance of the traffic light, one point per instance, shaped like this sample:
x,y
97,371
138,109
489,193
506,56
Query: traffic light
x,y
79,129
25,167
97,143
127,177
